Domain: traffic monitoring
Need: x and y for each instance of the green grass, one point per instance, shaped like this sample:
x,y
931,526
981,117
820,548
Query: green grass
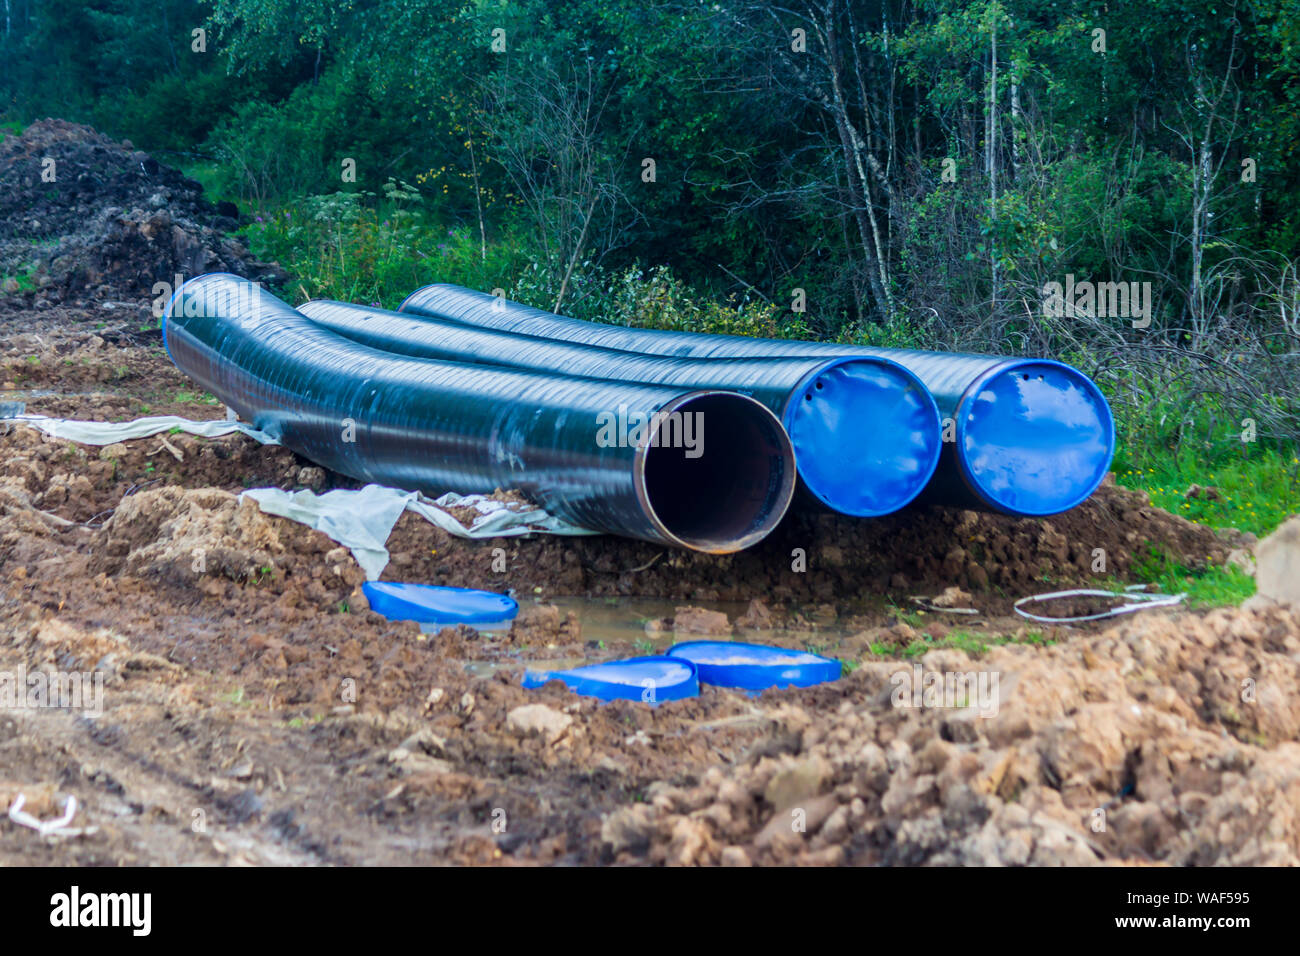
x,y
973,643
204,398
209,174
26,280
1255,490
1255,493
360,247
1211,587
910,617
341,247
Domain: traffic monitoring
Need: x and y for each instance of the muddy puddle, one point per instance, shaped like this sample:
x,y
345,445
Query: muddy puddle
x,y
616,628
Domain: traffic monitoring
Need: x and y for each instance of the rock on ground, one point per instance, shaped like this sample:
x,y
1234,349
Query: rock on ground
x,y
1277,557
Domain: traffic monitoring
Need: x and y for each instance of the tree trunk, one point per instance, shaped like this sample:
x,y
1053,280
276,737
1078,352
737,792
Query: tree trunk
x,y
990,166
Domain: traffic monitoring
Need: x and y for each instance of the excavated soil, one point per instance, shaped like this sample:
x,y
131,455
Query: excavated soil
x,y
254,711
83,216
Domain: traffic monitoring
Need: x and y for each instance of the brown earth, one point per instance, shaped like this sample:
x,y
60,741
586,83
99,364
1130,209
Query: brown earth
x,y
83,216
255,712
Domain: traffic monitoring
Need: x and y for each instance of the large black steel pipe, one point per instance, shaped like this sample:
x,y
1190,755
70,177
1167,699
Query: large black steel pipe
x,y
707,470
865,430
1021,436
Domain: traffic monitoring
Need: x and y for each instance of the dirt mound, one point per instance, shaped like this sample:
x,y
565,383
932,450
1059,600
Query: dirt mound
x,y
83,214
819,567
820,558
85,483
177,534
1110,748
302,724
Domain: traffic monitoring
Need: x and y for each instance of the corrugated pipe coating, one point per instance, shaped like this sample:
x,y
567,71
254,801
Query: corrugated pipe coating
x,y
865,430
1021,436
700,469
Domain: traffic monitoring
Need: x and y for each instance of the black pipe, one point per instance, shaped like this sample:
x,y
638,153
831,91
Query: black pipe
x,y
700,469
865,430
1020,436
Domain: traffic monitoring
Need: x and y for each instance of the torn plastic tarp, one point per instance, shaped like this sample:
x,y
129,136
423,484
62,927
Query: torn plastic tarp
x,y
362,520
359,520
107,433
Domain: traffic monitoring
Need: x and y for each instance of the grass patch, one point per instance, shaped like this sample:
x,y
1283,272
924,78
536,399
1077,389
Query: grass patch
x,y
1255,493
377,248
183,397
352,247
20,282
972,643
1208,587
209,174
910,617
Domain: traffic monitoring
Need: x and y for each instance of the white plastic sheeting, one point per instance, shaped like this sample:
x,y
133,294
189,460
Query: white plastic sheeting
x,y
107,433
360,520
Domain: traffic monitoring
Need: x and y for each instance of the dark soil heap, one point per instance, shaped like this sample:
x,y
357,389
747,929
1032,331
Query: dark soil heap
x,y
112,222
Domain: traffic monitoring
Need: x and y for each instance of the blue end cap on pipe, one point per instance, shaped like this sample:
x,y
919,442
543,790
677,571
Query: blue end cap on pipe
x,y
866,435
1038,437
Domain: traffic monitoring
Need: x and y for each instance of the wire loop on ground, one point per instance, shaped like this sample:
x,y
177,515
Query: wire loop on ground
x,y
1143,601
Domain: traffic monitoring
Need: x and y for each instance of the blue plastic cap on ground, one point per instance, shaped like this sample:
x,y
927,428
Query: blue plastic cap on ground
x,y
1038,437
866,435
652,680
434,604
755,666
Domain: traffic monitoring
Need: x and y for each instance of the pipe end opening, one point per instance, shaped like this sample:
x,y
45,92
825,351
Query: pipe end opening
x,y
717,472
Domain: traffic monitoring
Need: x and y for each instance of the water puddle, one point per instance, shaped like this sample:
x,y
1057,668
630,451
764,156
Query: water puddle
x,y
614,628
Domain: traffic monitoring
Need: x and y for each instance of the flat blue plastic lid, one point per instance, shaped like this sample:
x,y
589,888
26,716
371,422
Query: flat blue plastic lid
x,y
436,604
755,666
1038,437
649,679
866,435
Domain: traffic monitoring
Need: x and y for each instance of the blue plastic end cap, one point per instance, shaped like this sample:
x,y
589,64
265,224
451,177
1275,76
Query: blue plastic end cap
x,y
433,604
866,435
755,666
1037,437
652,680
